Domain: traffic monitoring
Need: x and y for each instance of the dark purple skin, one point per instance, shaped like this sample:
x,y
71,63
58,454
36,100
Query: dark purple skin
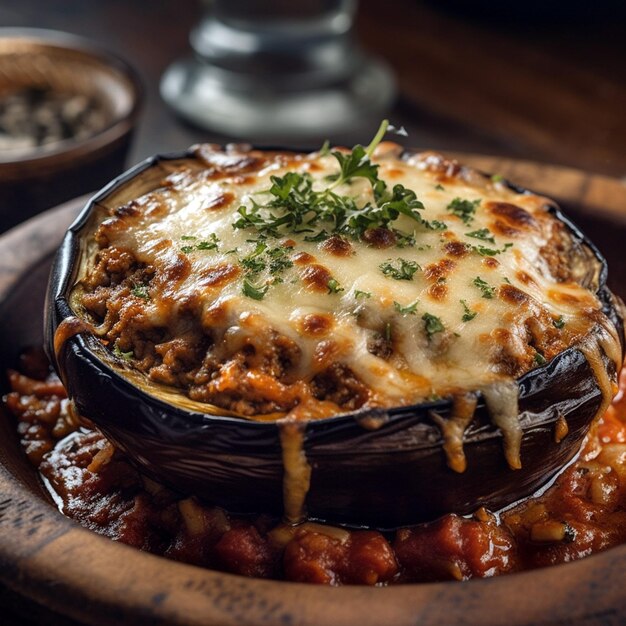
x,y
386,478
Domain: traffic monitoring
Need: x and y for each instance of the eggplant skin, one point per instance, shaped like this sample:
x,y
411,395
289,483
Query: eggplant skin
x,y
395,475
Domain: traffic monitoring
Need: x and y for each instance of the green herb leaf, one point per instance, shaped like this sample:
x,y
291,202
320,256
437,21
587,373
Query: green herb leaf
x,y
402,270
487,290
296,207
333,286
468,314
559,322
279,260
482,233
539,358
256,293
354,164
483,251
464,209
212,243
439,187
410,309
432,325
140,291
361,294
497,178
126,356
357,163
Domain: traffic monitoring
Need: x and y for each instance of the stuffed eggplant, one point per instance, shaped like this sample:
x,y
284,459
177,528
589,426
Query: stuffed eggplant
x,y
371,337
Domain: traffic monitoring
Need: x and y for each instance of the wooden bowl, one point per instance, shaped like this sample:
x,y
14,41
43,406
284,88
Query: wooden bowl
x,y
39,179
77,574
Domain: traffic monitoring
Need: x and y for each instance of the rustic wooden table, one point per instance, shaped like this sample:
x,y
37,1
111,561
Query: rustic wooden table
x,y
551,91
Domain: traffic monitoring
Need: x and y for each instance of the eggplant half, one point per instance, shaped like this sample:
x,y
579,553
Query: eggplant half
x,y
375,468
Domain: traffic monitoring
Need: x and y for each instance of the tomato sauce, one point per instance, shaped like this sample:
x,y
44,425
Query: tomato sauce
x,y
584,512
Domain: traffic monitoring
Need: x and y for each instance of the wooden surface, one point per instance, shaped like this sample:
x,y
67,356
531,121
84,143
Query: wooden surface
x,y
551,89
78,574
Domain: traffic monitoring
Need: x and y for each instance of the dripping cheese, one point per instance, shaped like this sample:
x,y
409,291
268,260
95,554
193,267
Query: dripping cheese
x,y
208,285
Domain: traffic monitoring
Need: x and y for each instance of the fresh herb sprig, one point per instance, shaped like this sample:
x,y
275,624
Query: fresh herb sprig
x,y
483,234
432,325
410,309
295,206
400,269
211,243
487,290
468,314
464,209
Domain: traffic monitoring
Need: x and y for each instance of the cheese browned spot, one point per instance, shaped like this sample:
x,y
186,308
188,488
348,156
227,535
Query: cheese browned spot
x,y
438,291
338,246
456,249
218,275
379,237
219,200
314,324
316,277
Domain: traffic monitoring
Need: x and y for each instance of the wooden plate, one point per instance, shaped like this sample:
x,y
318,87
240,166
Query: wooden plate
x,y
72,572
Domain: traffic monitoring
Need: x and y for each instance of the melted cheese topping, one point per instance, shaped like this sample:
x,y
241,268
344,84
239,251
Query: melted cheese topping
x,y
523,304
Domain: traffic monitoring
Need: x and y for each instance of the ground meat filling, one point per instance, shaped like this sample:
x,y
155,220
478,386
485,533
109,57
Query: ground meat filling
x,y
248,376
583,513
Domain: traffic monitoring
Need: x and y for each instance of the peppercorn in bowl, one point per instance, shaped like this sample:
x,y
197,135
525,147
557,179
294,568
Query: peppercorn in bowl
x,y
67,112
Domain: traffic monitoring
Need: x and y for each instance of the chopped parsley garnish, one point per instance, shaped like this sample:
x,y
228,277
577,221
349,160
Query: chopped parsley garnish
x,y
140,291
439,187
206,244
126,356
275,260
333,286
402,270
279,260
539,358
361,294
497,178
251,262
410,309
485,287
468,314
464,209
559,322
296,207
482,233
484,251
432,325
256,293
357,163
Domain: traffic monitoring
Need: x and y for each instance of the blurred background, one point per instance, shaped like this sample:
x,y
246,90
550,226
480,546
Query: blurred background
x,y
535,80
540,85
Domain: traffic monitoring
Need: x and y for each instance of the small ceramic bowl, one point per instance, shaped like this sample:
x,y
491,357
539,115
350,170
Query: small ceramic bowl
x,y
58,63
380,468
